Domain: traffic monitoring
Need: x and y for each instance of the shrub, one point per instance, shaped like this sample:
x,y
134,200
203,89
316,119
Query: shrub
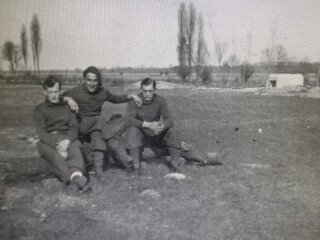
x,y
206,75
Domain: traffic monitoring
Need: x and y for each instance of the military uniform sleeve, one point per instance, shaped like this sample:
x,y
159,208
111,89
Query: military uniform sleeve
x,y
113,98
39,121
165,114
70,93
131,116
74,128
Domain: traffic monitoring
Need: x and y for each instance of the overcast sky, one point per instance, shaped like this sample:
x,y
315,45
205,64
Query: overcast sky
x,y
109,33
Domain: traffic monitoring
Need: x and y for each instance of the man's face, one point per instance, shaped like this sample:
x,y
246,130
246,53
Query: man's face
x,y
53,93
148,92
91,82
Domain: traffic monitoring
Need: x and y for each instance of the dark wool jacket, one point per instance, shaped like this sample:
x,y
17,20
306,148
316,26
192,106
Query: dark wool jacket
x,y
155,110
90,104
55,117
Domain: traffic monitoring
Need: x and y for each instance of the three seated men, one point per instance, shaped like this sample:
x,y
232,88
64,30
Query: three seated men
x,y
147,123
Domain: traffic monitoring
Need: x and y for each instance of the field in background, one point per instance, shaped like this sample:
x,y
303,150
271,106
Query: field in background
x,y
219,80
268,187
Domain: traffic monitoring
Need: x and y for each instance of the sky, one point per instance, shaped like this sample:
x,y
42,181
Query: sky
x,y
143,33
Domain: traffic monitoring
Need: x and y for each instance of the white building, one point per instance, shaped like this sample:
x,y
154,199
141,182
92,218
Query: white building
x,y
285,80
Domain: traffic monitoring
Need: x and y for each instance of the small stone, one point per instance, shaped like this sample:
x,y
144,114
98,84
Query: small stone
x,y
177,176
213,156
150,193
43,217
4,208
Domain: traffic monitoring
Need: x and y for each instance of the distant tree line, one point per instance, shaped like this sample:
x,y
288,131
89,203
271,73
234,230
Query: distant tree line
x,y
193,54
13,53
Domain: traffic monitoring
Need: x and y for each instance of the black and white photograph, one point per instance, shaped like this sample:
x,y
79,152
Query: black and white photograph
x,y
160,120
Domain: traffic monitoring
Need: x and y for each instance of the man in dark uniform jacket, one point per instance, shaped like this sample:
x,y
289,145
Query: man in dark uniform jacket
x,y
87,100
151,126
58,132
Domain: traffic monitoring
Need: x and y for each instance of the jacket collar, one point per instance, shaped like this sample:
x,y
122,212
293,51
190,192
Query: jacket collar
x,y
144,102
60,103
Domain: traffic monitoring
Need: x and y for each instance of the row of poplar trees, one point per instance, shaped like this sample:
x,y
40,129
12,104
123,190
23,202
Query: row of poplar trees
x,y
14,53
191,46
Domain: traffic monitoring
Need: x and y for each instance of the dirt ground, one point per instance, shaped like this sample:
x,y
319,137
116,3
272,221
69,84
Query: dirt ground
x,y
267,188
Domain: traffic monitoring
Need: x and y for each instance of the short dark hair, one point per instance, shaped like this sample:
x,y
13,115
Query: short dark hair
x,y
148,82
93,70
50,81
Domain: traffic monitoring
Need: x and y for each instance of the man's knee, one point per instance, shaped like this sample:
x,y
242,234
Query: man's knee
x,y
55,162
97,142
117,148
133,138
171,138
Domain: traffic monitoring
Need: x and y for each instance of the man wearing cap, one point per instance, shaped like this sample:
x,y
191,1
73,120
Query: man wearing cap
x,y
58,132
87,99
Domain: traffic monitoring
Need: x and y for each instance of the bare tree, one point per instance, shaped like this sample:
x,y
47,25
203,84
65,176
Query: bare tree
x,y
267,56
318,77
269,51
36,42
24,45
232,61
202,51
281,54
220,49
191,27
12,54
247,61
182,41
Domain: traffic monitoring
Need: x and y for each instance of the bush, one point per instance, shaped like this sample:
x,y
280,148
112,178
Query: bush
x,y
183,72
246,72
206,75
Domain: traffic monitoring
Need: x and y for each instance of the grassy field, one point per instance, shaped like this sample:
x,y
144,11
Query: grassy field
x,y
268,187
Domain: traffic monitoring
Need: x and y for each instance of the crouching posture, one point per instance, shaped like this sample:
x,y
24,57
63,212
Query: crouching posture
x,y
58,131
151,125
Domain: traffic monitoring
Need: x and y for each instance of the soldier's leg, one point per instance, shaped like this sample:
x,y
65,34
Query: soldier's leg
x,y
134,145
56,163
76,164
170,139
116,147
75,157
98,147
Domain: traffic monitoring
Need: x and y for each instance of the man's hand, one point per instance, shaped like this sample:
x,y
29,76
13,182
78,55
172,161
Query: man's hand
x,y
72,104
63,145
159,129
136,99
156,127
